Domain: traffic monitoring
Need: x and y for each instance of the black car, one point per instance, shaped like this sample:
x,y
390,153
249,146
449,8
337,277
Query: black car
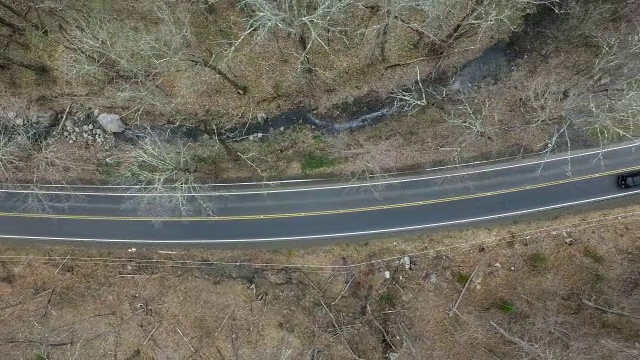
x,y
629,180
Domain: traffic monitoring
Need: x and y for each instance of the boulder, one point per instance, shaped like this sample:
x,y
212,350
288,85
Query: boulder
x,y
111,123
45,118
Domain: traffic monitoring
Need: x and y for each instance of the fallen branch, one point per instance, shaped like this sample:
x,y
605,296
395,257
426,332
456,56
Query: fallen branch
x,y
224,321
454,308
391,66
185,339
344,290
151,334
234,345
60,267
335,324
18,341
46,309
64,118
526,347
617,312
312,284
240,87
384,333
421,33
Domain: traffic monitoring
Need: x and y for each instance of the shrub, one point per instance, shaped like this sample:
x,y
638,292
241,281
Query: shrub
x,y
537,260
508,307
313,161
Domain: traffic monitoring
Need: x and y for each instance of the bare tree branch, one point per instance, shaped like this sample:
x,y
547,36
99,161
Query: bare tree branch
x,y
612,311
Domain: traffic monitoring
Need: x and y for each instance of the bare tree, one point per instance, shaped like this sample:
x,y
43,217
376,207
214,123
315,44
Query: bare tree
x,y
22,14
414,99
162,173
367,162
123,49
9,151
36,67
309,23
14,31
443,22
613,101
472,114
50,161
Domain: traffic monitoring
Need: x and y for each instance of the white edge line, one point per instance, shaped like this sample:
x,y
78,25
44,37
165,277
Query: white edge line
x,y
278,182
314,237
341,186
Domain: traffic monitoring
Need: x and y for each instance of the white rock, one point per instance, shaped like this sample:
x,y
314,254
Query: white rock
x,y
432,277
387,275
260,135
406,261
261,117
569,241
19,121
96,112
90,126
111,123
497,265
513,268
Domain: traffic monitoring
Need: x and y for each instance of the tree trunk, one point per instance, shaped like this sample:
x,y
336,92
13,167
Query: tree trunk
x,y
8,24
18,14
231,152
380,46
454,34
11,9
240,87
37,68
305,63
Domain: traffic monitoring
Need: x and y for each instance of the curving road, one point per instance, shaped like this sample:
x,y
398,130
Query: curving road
x,y
321,209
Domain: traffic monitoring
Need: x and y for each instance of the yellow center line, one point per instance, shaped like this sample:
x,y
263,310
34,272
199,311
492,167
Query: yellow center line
x,y
315,213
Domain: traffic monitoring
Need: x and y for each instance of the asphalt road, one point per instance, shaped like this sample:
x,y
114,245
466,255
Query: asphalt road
x,y
320,209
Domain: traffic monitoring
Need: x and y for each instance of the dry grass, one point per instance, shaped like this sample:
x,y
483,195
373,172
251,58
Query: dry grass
x,y
534,287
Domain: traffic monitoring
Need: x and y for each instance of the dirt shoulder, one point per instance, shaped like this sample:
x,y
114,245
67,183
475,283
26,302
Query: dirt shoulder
x,y
562,288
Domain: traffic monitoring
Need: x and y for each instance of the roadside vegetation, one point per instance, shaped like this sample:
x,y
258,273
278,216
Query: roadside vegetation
x,y
467,80
562,289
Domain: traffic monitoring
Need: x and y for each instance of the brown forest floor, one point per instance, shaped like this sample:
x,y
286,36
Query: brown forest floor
x,y
577,70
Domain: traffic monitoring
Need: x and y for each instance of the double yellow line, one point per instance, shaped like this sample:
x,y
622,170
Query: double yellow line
x,y
315,213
